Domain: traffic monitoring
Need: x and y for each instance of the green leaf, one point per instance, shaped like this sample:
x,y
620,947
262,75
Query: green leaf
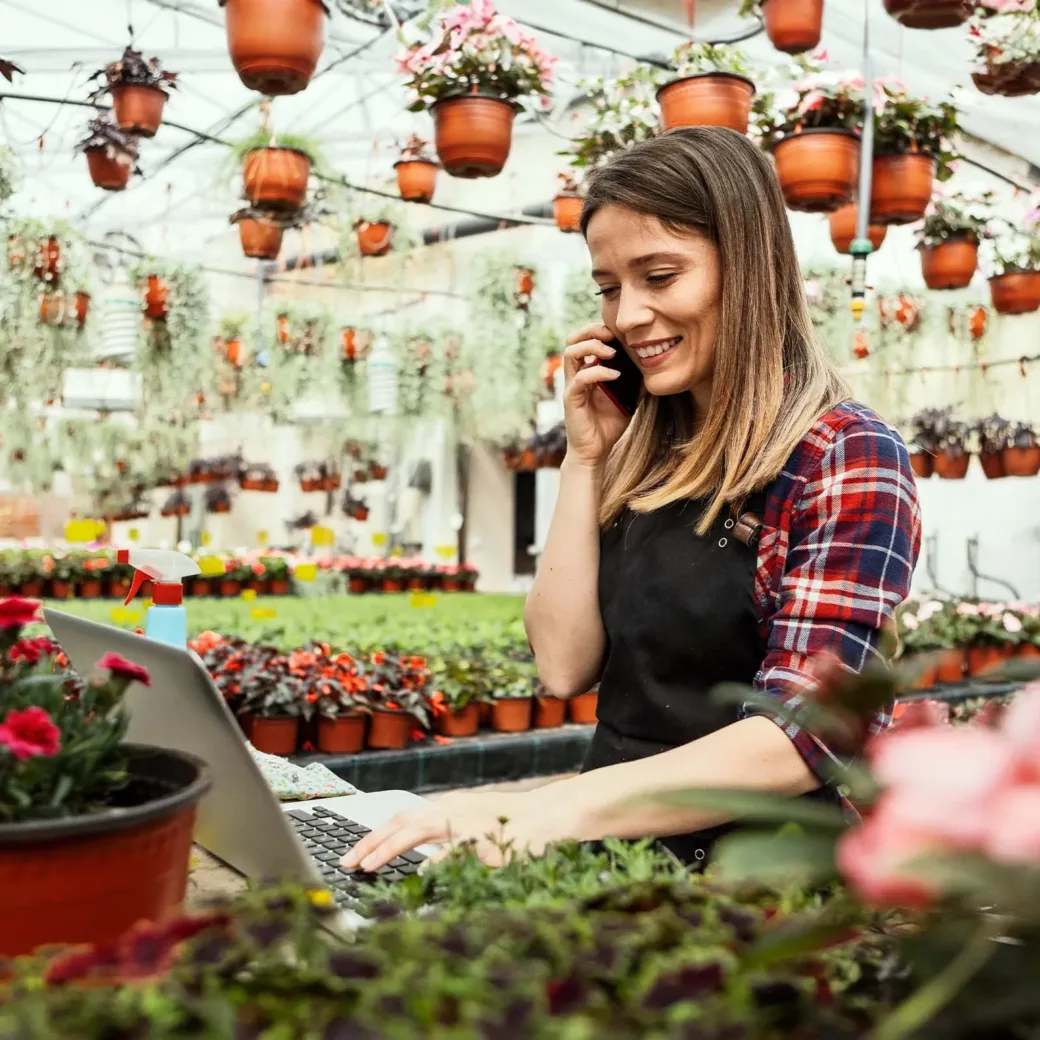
x,y
790,857
757,807
795,938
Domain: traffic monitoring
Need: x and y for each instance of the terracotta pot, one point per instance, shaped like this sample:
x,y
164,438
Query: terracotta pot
x,y
549,712
52,308
927,679
707,99
417,585
951,465
1028,650
275,736
929,14
32,589
155,298
220,507
511,714
280,587
550,366
923,464
992,463
48,259
902,187
1009,79
793,26
582,709
416,179
201,587
450,585
118,588
61,590
275,44
389,729
376,471
374,238
138,108
473,135
461,723
130,862
233,352
977,323
106,172
818,169
392,585
348,344
230,589
984,659
342,736
276,178
951,265
843,229
1021,462
260,240
90,589
524,281
1017,292
259,586
357,586
81,305
361,515
950,668
567,212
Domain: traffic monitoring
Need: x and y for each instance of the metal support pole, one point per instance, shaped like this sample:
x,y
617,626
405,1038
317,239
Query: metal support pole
x,y
861,247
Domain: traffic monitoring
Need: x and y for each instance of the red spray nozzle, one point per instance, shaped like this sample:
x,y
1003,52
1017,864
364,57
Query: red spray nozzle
x,y
135,586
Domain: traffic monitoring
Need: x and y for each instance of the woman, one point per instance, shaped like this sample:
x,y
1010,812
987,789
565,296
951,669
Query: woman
x,y
746,520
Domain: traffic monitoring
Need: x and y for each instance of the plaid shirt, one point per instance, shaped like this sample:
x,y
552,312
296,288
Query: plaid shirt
x,y
841,536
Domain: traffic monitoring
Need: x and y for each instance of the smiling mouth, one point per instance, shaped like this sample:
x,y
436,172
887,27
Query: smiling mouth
x,y
653,351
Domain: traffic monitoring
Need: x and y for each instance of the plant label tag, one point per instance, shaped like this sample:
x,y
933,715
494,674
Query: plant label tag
x,y
81,530
305,572
263,613
261,538
445,551
211,566
379,538
205,538
125,616
324,536
249,595
133,534
419,600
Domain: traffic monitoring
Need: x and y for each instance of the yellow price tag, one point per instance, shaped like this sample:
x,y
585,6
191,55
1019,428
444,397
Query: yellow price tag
x,y
249,595
305,572
261,538
378,538
418,600
211,566
205,538
445,551
133,534
81,530
125,616
323,536
263,613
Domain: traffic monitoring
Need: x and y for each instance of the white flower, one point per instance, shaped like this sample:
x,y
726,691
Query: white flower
x,y
910,621
1011,624
967,610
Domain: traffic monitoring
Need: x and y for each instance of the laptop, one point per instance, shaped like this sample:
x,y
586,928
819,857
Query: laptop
x,y
240,821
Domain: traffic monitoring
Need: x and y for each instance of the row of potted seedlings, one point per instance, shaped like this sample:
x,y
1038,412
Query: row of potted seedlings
x,y
943,446
366,575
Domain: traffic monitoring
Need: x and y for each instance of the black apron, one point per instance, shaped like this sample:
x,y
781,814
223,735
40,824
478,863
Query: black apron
x,y
680,616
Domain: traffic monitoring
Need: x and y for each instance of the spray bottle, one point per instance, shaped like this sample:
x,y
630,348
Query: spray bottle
x,y
166,620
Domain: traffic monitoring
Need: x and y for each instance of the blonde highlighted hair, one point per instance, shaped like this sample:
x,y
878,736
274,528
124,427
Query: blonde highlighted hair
x,y
772,378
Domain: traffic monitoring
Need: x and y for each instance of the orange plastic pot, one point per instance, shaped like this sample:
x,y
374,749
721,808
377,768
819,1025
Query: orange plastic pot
x,y
511,714
275,44
524,281
280,586
843,229
567,212
155,298
983,659
89,589
61,590
707,99
549,712
81,305
461,723
48,259
929,14
950,668
348,344
473,134
138,108
375,238
389,729
201,587
992,463
952,465
52,308
793,26
260,240
106,172
550,366
902,187
582,709
230,589
358,586
1015,293
275,736
32,589
1021,462
818,169
276,178
233,352
392,585
342,736
89,878
416,179
1029,650
951,265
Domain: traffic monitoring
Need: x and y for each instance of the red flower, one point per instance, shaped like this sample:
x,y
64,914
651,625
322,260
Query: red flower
x,y
29,733
16,612
30,650
379,658
121,668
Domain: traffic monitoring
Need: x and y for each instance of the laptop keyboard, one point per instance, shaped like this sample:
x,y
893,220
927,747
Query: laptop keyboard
x,y
327,836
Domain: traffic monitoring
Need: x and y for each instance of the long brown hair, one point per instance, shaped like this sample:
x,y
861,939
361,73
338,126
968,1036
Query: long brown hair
x,y
772,379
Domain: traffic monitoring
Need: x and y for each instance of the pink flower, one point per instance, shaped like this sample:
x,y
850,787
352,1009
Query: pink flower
x,y
121,668
1014,831
30,733
16,612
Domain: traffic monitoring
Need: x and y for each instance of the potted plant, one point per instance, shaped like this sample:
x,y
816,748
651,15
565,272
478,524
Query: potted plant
x,y
375,230
929,14
48,262
76,801
310,476
111,155
512,705
582,708
949,238
343,711
549,712
992,434
355,508
81,306
178,504
471,74
272,702
275,44
218,499
912,149
1007,48
1014,283
713,88
259,233
230,338
399,695
459,686
843,229
259,476
276,170
953,454
793,26
416,171
1022,454
156,297
278,575
567,204
138,90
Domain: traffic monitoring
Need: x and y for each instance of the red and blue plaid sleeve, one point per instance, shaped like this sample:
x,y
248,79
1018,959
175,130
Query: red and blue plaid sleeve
x,y
854,540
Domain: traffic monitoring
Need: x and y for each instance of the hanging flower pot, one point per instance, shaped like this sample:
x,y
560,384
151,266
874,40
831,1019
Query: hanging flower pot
x,y
473,134
511,714
1008,78
1021,462
549,712
567,212
52,308
524,287
282,332
156,305
793,26
275,44
552,364
582,709
348,344
463,722
977,322
376,471
374,238
843,229
276,178
1015,292
416,179
899,310
138,108
992,463
707,99
951,265
107,172
952,465
929,14
922,463
275,736
48,259
81,307
902,187
342,736
818,169
260,239
389,729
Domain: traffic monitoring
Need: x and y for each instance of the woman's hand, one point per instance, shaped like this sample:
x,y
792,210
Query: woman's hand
x,y
594,423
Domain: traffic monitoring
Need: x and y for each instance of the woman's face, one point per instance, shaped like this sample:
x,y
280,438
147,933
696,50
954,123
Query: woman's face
x,y
661,294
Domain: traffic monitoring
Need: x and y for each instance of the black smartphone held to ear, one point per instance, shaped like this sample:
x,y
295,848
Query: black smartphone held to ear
x,y
625,390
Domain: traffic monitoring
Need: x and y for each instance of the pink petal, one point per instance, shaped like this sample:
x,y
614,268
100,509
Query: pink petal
x,y
1014,827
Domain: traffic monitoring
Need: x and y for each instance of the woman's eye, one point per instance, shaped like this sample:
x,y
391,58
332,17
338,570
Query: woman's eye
x,y
607,292
659,279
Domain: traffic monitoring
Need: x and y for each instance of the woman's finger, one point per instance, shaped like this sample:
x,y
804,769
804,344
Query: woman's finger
x,y
577,355
586,378
597,330
405,821
393,844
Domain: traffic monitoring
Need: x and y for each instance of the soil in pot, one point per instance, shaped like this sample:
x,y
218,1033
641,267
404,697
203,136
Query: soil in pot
x,y
89,878
275,44
818,169
582,709
951,265
416,179
843,229
549,712
374,238
567,212
107,173
276,178
982,659
1021,462
275,736
138,108
389,729
929,14
923,464
1015,293
901,188
707,99
511,714
342,736
952,465
461,723
260,240
793,26
992,463
950,668
473,135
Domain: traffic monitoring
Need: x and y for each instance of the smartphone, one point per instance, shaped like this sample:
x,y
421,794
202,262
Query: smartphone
x,y
625,390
